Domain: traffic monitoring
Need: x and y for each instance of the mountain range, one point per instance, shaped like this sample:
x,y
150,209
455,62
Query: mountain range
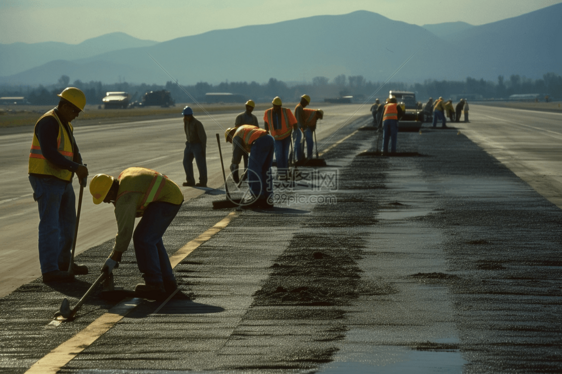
x,y
359,43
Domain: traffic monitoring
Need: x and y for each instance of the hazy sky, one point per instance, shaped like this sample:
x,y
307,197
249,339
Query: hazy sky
x,y
73,21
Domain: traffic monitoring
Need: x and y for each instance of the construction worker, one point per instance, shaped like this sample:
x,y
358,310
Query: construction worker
x,y
141,192
247,118
279,122
450,110
298,133
375,111
458,110
311,117
261,146
439,113
465,110
392,114
195,147
54,158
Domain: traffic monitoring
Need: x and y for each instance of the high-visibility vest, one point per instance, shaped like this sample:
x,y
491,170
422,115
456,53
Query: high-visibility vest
x,y
38,164
288,120
310,118
390,111
152,186
249,134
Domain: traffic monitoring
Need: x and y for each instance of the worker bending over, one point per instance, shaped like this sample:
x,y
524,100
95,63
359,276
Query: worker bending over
x,y
141,192
53,159
260,145
439,113
392,114
279,122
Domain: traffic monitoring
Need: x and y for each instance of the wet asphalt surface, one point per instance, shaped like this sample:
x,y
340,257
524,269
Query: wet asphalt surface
x,y
438,260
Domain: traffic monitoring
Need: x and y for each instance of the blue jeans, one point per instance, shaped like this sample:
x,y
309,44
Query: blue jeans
x,y
259,169
308,134
390,130
439,115
282,155
299,145
57,221
197,151
152,259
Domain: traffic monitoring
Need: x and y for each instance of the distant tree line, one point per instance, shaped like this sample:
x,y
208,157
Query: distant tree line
x,y
319,88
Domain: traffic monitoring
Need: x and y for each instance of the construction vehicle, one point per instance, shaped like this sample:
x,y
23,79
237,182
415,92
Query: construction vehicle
x,y
116,100
161,98
413,115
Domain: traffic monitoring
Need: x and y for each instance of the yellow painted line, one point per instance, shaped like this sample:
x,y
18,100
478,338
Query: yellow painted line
x,y
335,144
64,353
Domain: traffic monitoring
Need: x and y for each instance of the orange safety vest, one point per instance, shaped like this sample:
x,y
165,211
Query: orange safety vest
x,y
310,118
153,185
288,120
249,134
390,112
38,164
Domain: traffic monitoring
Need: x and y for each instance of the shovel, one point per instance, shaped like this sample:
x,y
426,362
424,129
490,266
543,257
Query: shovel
x,y
71,263
67,314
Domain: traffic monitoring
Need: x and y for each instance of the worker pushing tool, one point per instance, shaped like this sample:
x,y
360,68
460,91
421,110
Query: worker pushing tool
x,y
141,192
279,122
250,139
54,158
298,133
392,114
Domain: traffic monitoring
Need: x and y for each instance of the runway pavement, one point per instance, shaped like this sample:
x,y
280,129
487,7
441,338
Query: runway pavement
x,y
110,148
439,260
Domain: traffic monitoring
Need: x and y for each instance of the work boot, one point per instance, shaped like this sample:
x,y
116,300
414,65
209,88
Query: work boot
x,y
170,286
77,269
153,290
57,276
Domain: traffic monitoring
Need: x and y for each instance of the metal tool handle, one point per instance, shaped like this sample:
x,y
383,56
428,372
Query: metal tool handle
x,y
222,167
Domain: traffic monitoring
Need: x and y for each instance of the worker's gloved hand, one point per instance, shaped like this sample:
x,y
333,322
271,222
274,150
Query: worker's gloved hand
x,y
109,266
82,174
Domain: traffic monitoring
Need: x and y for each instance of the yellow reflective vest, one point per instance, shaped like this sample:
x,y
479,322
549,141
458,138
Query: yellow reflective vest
x,y
38,164
152,186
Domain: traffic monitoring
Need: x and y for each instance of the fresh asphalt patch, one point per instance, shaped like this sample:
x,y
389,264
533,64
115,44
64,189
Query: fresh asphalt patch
x,y
441,260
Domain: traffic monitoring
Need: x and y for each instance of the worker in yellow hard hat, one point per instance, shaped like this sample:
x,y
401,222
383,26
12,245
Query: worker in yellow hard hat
x,y
54,158
392,114
279,122
298,133
260,145
247,118
141,192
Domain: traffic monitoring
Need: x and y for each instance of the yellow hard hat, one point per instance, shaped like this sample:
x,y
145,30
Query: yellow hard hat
x,y
306,97
75,96
227,133
251,103
277,101
100,186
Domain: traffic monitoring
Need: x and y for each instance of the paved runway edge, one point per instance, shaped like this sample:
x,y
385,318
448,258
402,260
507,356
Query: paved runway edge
x,y
445,252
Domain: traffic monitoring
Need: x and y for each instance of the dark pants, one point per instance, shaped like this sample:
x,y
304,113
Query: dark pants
x,y
282,154
152,259
197,151
259,169
57,221
390,130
